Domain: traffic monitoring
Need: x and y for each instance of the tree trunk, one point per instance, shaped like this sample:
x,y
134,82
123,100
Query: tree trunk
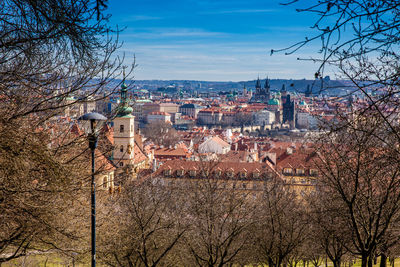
x,y
370,261
383,260
364,259
336,263
391,260
270,262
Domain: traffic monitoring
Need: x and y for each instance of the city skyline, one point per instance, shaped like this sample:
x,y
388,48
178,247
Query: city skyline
x,y
213,40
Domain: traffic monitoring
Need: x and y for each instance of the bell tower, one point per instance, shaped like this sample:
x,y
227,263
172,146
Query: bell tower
x,y
124,131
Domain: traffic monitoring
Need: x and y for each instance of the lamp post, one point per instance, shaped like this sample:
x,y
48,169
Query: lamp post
x,y
92,124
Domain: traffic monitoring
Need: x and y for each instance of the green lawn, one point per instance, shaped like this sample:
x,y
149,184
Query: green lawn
x,y
52,260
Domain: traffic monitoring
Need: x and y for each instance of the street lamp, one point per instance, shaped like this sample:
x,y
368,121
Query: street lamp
x,y
92,124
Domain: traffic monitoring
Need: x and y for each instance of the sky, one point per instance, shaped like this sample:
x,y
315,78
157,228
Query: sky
x,y
213,40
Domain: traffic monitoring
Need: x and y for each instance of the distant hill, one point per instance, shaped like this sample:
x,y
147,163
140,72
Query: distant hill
x,y
324,86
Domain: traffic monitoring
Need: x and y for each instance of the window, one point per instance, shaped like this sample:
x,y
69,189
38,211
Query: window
x,y
121,164
313,172
244,185
256,175
121,148
229,174
218,173
131,127
243,174
121,128
300,171
180,172
105,182
167,172
192,173
287,171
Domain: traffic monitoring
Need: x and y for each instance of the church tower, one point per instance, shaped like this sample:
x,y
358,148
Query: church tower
x,y
244,90
258,86
267,89
124,131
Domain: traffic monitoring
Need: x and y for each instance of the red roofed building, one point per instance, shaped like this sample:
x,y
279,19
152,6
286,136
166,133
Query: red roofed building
x,y
162,154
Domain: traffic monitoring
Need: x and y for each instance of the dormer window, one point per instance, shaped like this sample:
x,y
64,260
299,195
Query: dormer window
x,y
287,171
243,174
256,174
300,171
205,173
192,173
313,172
180,172
167,172
229,173
218,173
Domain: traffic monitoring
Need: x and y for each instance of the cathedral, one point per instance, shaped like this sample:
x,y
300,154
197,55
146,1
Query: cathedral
x,y
262,94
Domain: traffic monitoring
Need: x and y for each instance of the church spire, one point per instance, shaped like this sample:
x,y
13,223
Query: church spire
x,y
258,83
267,85
124,109
124,91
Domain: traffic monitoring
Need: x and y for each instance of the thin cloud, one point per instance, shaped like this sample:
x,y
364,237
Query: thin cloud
x,y
240,11
141,18
157,33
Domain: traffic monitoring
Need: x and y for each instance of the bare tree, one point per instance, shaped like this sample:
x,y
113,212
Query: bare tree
x,y
350,29
161,133
327,228
359,169
219,219
143,226
49,51
279,228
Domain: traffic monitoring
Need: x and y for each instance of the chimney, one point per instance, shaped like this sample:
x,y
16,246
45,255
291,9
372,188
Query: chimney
x,y
155,167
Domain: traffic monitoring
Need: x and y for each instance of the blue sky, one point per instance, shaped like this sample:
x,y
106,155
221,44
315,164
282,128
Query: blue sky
x,y
220,40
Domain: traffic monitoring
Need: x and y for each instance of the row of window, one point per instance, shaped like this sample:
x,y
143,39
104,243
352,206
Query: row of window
x,y
290,171
253,186
216,174
129,148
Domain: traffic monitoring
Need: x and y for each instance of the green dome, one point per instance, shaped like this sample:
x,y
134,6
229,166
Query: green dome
x,y
273,101
124,111
302,103
124,86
